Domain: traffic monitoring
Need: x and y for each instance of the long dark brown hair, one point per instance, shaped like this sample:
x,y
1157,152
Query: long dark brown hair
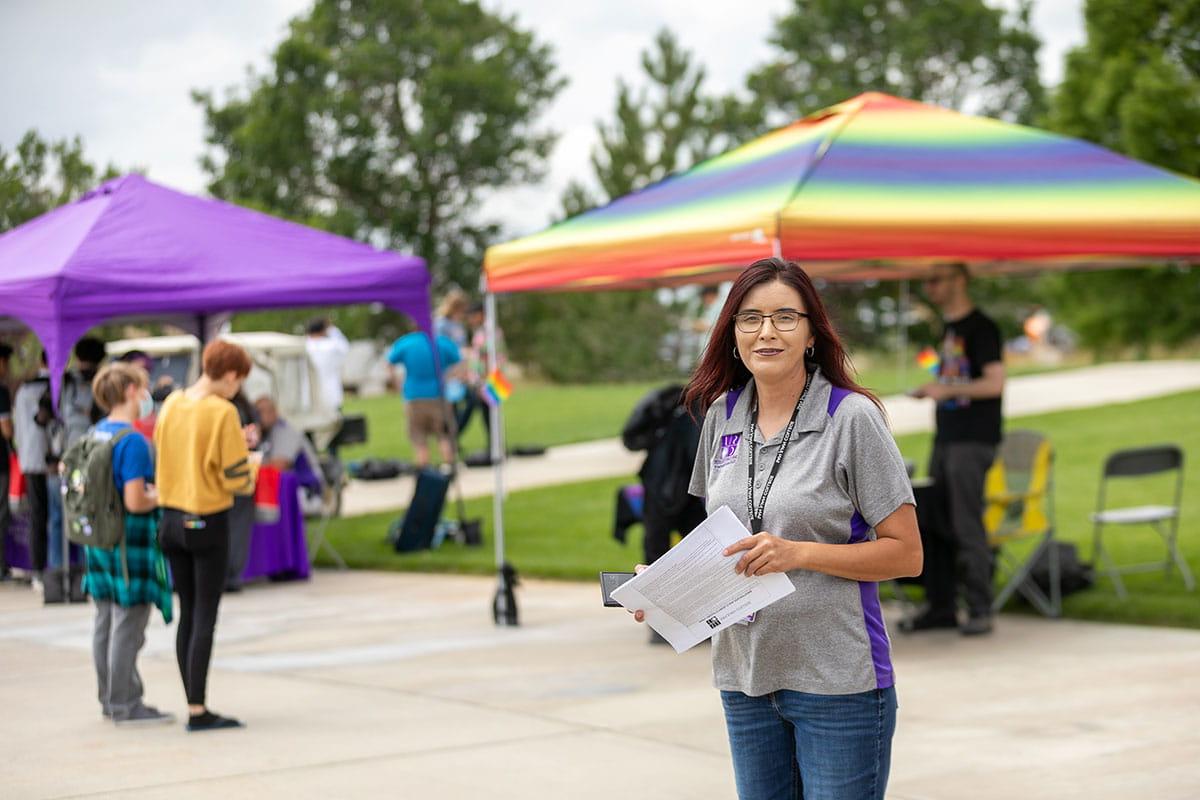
x,y
719,371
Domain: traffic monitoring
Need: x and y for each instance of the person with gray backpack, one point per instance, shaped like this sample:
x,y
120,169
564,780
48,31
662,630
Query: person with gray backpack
x,y
111,508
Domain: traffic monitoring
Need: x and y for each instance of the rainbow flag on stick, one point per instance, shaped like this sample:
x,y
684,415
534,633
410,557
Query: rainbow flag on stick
x,y
928,359
496,388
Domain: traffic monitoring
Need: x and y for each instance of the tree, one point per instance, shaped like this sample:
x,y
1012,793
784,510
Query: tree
x,y
1134,87
954,53
37,176
41,175
386,120
961,54
659,127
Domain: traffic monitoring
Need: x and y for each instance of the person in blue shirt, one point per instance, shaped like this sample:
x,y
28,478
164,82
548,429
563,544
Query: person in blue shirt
x,y
124,600
429,415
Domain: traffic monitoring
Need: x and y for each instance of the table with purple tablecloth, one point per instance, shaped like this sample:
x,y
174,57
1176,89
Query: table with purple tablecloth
x,y
278,549
16,544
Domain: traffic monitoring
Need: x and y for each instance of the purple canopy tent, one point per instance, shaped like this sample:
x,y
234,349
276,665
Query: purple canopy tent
x,y
132,248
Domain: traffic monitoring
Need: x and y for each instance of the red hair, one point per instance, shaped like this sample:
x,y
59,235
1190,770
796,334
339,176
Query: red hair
x,y
221,357
718,371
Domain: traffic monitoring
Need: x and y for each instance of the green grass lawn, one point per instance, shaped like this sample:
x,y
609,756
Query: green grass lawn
x,y
543,414
566,531
548,414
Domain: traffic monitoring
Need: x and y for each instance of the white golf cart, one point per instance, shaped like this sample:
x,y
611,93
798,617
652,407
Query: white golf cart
x,y
283,371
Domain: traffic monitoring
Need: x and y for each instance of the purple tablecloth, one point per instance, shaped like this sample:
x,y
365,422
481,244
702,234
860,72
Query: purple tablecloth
x,y
16,546
278,549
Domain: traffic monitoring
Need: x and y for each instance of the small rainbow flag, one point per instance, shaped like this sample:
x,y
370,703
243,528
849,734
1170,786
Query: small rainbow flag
x,y
928,359
496,388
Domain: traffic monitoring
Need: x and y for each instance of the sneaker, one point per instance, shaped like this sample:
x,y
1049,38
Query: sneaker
x,y
977,626
209,721
144,715
928,620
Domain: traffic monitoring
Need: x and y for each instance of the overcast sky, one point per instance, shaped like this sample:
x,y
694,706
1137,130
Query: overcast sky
x,y
119,72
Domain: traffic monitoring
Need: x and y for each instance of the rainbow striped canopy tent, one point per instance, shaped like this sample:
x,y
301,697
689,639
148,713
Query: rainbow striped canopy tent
x,y
875,187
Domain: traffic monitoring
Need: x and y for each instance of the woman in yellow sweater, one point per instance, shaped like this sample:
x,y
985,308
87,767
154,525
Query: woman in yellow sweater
x,y
203,461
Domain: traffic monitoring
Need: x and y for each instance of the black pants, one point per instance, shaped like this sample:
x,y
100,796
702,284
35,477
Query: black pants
x,y
38,496
659,527
241,528
197,548
957,552
5,516
465,409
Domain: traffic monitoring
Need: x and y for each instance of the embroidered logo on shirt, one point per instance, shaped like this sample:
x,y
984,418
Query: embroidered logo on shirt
x,y
727,451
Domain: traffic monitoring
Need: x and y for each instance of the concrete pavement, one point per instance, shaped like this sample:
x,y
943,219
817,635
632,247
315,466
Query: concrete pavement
x,y
1028,394
395,685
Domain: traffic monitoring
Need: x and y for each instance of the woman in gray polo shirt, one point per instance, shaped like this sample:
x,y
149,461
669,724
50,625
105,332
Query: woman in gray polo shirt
x,y
803,456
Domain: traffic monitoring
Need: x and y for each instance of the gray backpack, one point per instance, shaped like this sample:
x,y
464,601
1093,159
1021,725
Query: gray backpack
x,y
94,509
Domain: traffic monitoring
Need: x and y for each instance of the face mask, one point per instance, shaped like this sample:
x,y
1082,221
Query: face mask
x,y
145,406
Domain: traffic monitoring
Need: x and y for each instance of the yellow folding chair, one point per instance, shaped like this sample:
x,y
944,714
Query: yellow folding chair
x,y
1019,505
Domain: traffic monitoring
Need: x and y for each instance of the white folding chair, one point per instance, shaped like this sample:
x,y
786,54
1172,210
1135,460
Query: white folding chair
x,y
1163,519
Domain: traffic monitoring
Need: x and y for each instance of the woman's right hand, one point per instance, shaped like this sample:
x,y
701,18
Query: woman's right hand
x,y
639,615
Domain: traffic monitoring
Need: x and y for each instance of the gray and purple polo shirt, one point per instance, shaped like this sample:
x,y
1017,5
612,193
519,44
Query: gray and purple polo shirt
x,y
842,474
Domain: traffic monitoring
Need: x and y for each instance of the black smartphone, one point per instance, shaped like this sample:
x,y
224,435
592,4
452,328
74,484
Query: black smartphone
x,y
609,581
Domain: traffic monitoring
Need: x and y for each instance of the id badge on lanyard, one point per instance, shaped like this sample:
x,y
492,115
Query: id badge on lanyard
x,y
755,512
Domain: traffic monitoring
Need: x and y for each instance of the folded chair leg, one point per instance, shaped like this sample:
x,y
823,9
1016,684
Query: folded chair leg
x,y
1055,581
1021,581
1189,582
1101,555
334,554
1010,587
319,542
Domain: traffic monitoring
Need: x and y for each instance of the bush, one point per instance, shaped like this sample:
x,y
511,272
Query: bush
x,y
588,337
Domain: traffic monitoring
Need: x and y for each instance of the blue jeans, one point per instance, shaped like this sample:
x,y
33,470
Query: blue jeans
x,y
54,526
54,522
816,747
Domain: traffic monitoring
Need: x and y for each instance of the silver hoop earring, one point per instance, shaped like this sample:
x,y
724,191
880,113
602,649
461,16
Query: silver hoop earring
x,y
736,355
810,351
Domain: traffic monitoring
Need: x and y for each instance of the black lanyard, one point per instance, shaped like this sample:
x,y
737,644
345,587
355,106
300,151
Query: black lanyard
x,y
756,513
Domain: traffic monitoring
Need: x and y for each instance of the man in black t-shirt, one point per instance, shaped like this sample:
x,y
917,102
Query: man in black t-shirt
x,y
6,434
967,392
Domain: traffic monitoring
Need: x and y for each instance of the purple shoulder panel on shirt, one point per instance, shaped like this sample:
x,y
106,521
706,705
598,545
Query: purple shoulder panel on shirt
x,y
731,398
836,395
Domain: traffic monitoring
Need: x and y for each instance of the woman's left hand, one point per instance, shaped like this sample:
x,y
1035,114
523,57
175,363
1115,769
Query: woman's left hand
x,y
766,553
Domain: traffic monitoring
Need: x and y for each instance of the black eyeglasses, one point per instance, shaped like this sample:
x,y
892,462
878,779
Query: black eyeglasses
x,y
752,321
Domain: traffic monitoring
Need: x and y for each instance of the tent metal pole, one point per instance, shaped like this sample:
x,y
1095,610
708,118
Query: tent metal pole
x,y
497,452
504,604
901,316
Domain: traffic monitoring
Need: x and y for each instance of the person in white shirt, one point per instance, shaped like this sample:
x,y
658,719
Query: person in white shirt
x,y
32,416
327,347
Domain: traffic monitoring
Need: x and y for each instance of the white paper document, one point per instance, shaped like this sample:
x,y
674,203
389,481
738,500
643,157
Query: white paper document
x,y
693,591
